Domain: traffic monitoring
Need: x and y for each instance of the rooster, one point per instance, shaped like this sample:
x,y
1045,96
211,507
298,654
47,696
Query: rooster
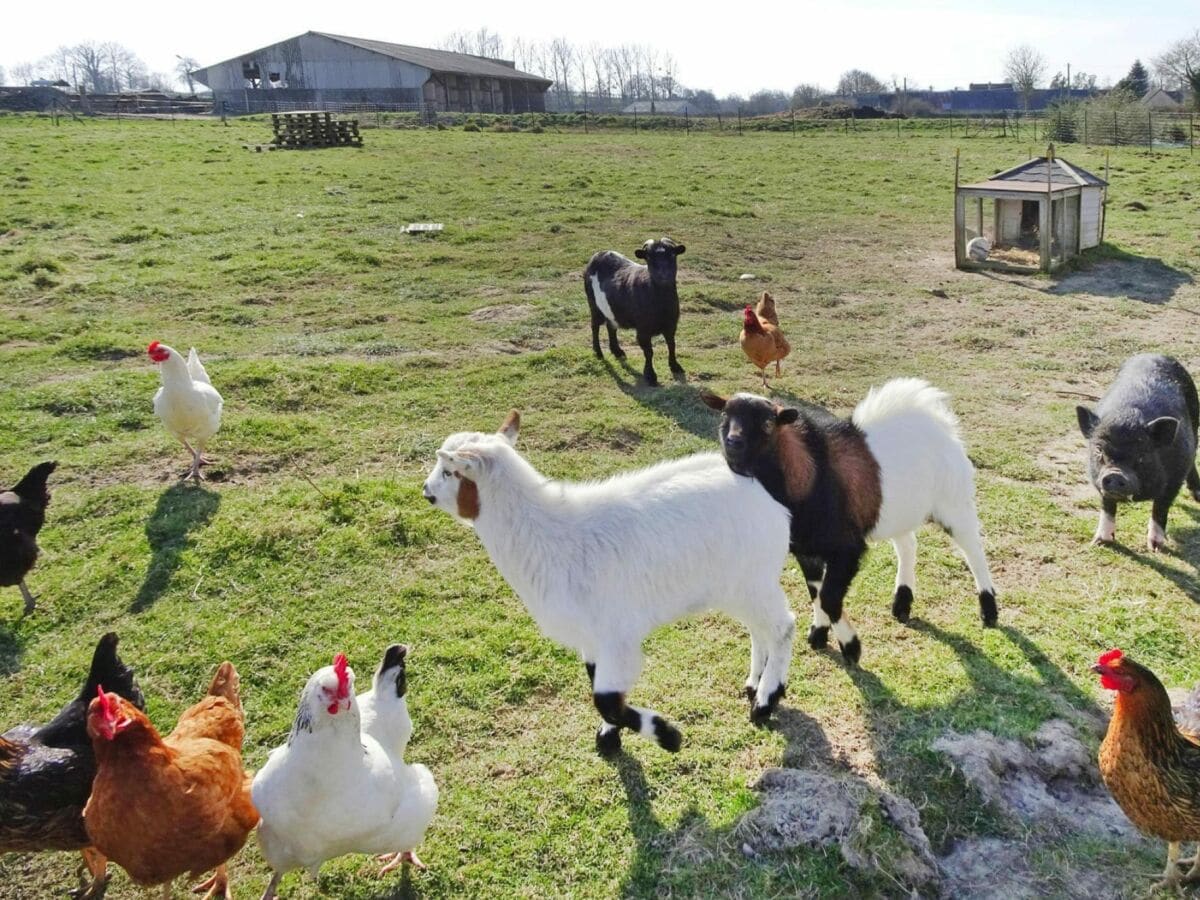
x,y
761,340
22,513
46,771
162,807
336,787
1151,767
187,403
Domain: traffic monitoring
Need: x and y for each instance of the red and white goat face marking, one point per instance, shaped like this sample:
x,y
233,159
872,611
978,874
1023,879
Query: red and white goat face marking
x,y
453,485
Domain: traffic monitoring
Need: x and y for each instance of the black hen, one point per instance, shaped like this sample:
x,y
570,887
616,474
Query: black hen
x,y
46,771
22,512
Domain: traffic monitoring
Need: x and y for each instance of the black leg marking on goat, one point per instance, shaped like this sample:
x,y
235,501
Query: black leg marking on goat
x,y
591,670
814,572
902,602
644,341
1193,482
613,344
987,608
596,322
667,735
608,740
759,715
612,709
852,651
669,337
818,636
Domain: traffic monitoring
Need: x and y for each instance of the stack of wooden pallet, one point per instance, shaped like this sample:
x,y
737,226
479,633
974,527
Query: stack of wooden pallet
x,y
296,130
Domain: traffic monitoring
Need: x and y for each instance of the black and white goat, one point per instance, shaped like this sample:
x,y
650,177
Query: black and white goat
x,y
600,565
896,464
625,294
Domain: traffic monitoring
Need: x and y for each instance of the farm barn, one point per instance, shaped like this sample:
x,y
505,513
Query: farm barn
x,y
1032,217
316,69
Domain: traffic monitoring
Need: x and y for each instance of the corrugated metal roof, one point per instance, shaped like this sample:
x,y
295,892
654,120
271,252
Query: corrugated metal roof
x,y
439,60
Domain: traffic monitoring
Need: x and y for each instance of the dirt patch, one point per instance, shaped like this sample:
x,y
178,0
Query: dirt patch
x,y
804,808
997,869
1054,782
1064,460
502,313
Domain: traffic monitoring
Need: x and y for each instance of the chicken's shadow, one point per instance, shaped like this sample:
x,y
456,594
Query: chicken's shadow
x,y
181,509
12,648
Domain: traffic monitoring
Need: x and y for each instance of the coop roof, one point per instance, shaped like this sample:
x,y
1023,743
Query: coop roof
x,y
1033,175
439,60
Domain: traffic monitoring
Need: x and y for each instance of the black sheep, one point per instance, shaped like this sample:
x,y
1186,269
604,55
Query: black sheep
x,y
625,294
22,512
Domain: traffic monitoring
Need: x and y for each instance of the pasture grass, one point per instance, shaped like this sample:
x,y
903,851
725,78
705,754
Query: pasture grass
x,y
347,350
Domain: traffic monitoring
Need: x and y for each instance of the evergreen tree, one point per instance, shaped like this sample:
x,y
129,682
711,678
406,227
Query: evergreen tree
x,y
1137,81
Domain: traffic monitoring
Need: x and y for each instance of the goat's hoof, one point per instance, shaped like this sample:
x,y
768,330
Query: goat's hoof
x,y
677,369
750,691
608,740
617,352
651,380
760,715
852,651
902,602
667,735
599,354
987,609
818,636
1196,496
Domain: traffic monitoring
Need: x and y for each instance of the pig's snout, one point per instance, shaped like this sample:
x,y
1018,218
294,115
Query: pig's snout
x,y
1115,484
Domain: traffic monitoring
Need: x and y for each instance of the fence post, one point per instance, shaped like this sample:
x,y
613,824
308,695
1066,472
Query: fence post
x,y
1085,128
687,121
793,121
1191,134
1116,130
1150,130
635,127
739,119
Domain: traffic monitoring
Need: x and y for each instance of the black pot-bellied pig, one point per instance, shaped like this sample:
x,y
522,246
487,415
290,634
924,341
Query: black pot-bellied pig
x,y
625,294
896,464
1142,442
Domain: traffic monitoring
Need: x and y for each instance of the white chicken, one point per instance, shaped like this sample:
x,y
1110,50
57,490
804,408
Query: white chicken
x,y
187,403
336,787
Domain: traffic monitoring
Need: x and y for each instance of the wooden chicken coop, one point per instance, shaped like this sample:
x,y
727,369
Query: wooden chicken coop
x,y
1030,218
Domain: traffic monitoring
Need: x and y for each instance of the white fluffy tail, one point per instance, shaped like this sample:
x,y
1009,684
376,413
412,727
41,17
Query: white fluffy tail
x,y
901,395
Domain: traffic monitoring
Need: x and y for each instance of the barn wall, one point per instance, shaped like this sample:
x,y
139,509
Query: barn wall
x,y
1089,217
314,62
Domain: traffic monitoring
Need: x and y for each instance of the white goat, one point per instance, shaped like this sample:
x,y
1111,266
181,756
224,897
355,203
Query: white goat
x,y
600,565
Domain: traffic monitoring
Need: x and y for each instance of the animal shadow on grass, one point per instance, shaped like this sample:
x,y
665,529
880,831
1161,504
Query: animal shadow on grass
x,y
1184,545
1123,275
180,510
12,648
405,890
677,400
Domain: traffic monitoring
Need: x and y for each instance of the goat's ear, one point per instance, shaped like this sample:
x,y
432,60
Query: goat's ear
x,y
712,401
1088,420
640,252
1162,430
679,248
511,427
787,415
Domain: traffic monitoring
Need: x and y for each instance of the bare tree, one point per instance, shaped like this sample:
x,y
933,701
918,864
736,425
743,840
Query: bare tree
x,y
22,73
3,76
1179,66
806,95
457,42
562,61
184,69
488,43
668,75
855,81
86,62
1025,67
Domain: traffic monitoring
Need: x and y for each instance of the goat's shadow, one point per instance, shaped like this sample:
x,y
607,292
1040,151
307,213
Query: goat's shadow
x,y
12,649
180,510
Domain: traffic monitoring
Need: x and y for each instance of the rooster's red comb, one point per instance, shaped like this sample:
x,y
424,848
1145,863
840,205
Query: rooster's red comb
x,y
339,668
153,346
1110,657
106,707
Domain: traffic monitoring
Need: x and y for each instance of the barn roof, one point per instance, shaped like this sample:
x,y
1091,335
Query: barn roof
x,y
1034,174
439,60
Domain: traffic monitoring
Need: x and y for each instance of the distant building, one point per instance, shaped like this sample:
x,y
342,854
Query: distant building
x,y
316,68
661,107
1159,98
979,99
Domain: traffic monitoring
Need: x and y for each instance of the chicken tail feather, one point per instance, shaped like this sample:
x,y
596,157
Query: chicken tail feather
x,y
226,683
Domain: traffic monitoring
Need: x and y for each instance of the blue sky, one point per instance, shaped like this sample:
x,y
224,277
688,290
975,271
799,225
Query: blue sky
x,y
733,48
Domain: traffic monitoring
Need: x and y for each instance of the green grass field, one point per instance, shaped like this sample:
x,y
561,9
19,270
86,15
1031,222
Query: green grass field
x,y
347,350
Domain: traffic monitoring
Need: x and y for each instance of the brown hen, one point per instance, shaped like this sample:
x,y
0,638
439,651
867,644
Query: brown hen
x,y
761,340
1151,767
162,807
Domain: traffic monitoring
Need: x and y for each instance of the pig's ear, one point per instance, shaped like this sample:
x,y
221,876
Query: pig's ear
x,y
1162,431
1088,420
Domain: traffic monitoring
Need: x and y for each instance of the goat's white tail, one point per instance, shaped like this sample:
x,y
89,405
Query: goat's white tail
x,y
901,395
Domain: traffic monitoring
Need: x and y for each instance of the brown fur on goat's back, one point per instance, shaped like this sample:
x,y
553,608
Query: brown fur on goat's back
x,y
796,462
855,467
